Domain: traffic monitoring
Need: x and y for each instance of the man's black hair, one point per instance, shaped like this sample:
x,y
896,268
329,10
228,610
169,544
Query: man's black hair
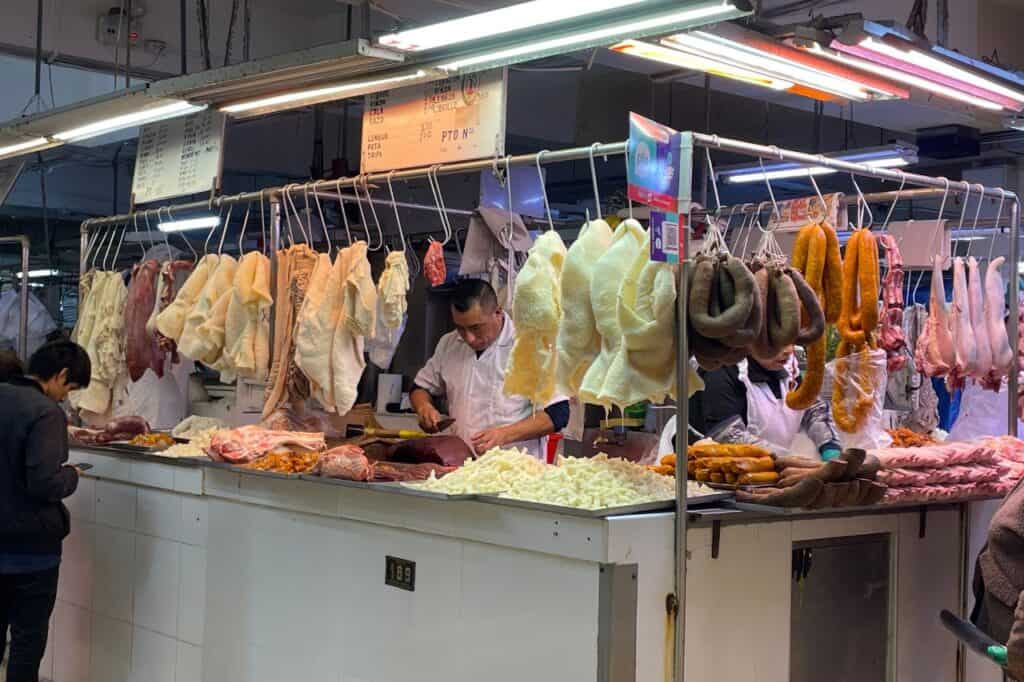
x,y
10,366
49,360
470,292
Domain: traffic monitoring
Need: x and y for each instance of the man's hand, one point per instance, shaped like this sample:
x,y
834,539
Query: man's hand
x,y
1014,663
429,418
489,438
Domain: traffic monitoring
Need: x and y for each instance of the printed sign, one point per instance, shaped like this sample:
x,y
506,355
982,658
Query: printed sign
x,y
456,119
664,230
652,164
179,157
796,213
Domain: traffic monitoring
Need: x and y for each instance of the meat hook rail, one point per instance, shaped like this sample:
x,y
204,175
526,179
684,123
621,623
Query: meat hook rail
x,y
689,141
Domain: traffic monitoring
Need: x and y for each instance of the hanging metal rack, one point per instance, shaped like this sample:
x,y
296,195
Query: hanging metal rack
x,y
931,185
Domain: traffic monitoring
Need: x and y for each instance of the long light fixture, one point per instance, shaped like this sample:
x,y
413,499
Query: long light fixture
x,y
36,274
895,156
18,148
136,118
190,224
518,17
576,40
315,95
749,57
923,83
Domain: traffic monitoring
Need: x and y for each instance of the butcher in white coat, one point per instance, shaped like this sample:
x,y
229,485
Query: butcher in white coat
x,y
468,368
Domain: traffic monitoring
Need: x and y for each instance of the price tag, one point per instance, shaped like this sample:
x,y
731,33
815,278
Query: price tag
x,y
665,236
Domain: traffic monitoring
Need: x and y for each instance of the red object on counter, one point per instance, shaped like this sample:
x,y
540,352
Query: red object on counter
x,y
553,441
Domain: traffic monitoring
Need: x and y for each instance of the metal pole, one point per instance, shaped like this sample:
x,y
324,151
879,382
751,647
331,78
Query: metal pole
x,y
39,49
1012,409
183,21
682,412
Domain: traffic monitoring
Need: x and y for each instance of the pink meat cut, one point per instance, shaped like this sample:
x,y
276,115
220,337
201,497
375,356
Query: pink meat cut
x,y
979,326
936,354
891,333
449,451
995,321
249,443
346,462
172,275
141,349
966,363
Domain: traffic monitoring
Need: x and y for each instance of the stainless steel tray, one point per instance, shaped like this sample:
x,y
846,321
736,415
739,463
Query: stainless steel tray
x,y
647,507
252,472
401,488
141,454
340,482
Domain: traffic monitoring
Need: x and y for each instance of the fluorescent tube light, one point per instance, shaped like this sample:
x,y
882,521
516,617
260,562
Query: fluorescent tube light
x,y
706,63
36,274
581,39
23,147
137,118
190,224
904,77
315,95
880,158
941,67
498,22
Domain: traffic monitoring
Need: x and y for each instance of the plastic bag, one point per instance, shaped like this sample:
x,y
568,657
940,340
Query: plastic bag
x,y
381,348
982,414
857,406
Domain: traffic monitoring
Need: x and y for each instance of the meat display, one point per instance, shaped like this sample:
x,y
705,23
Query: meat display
x,y
537,309
433,264
891,337
966,356
935,456
393,289
449,451
248,443
170,322
102,335
995,322
120,429
979,326
948,493
936,355
202,337
346,462
394,472
173,275
142,351
287,384
246,346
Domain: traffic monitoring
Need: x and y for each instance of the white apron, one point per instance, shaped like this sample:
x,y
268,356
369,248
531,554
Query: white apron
x,y
768,417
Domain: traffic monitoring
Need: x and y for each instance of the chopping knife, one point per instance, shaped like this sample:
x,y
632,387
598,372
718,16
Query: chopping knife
x,y
969,634
374,432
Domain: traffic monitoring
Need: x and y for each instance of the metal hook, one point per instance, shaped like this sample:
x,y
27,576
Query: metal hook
x,y
373,211
206,244
821,198
106,254
394,206
224,232
263,224
714,182
308,238
899,192
359,204
341,208
977,215
323,221
862,207
593,179
444,208
771,192
135,224
544,191
999,217
241,235
309,212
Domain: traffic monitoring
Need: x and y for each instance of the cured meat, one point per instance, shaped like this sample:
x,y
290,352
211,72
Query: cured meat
x,y
393,289
171,321
317,320
966,364
578,340
247,324
995,323
173,275
358,318
142,352
433,264
389,472
891,333
645,366
105,344
945,493
935,456
85,284
248,443
346,462
537,310
202,338
444,450
610,270
287,384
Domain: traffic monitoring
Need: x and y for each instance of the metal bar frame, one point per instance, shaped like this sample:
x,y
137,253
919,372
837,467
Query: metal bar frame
x,y
682,382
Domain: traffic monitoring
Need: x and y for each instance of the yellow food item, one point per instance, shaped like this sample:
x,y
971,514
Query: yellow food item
x,y
153,440
704,450
669,459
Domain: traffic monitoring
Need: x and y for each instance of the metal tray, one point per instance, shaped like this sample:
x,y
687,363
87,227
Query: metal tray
x,y
252,472
402,489
340,482
646,507
135,452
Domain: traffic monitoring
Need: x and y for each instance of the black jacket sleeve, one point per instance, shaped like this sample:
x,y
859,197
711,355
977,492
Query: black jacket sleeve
x,y
559,414
46,453
723,398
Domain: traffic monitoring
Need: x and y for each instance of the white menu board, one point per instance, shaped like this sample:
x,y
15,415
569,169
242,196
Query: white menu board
x,y
179,157
455,119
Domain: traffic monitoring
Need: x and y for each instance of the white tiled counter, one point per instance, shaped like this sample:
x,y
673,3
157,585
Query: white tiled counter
x,y
182,573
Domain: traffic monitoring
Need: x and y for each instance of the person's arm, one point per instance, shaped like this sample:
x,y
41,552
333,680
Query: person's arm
x,y
423,404
428,383
46,451
531,428
818,425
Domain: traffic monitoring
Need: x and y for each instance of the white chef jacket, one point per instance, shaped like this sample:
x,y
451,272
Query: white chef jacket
x,y
474,386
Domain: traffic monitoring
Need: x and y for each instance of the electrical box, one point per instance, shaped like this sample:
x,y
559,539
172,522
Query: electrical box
x,y
110,25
